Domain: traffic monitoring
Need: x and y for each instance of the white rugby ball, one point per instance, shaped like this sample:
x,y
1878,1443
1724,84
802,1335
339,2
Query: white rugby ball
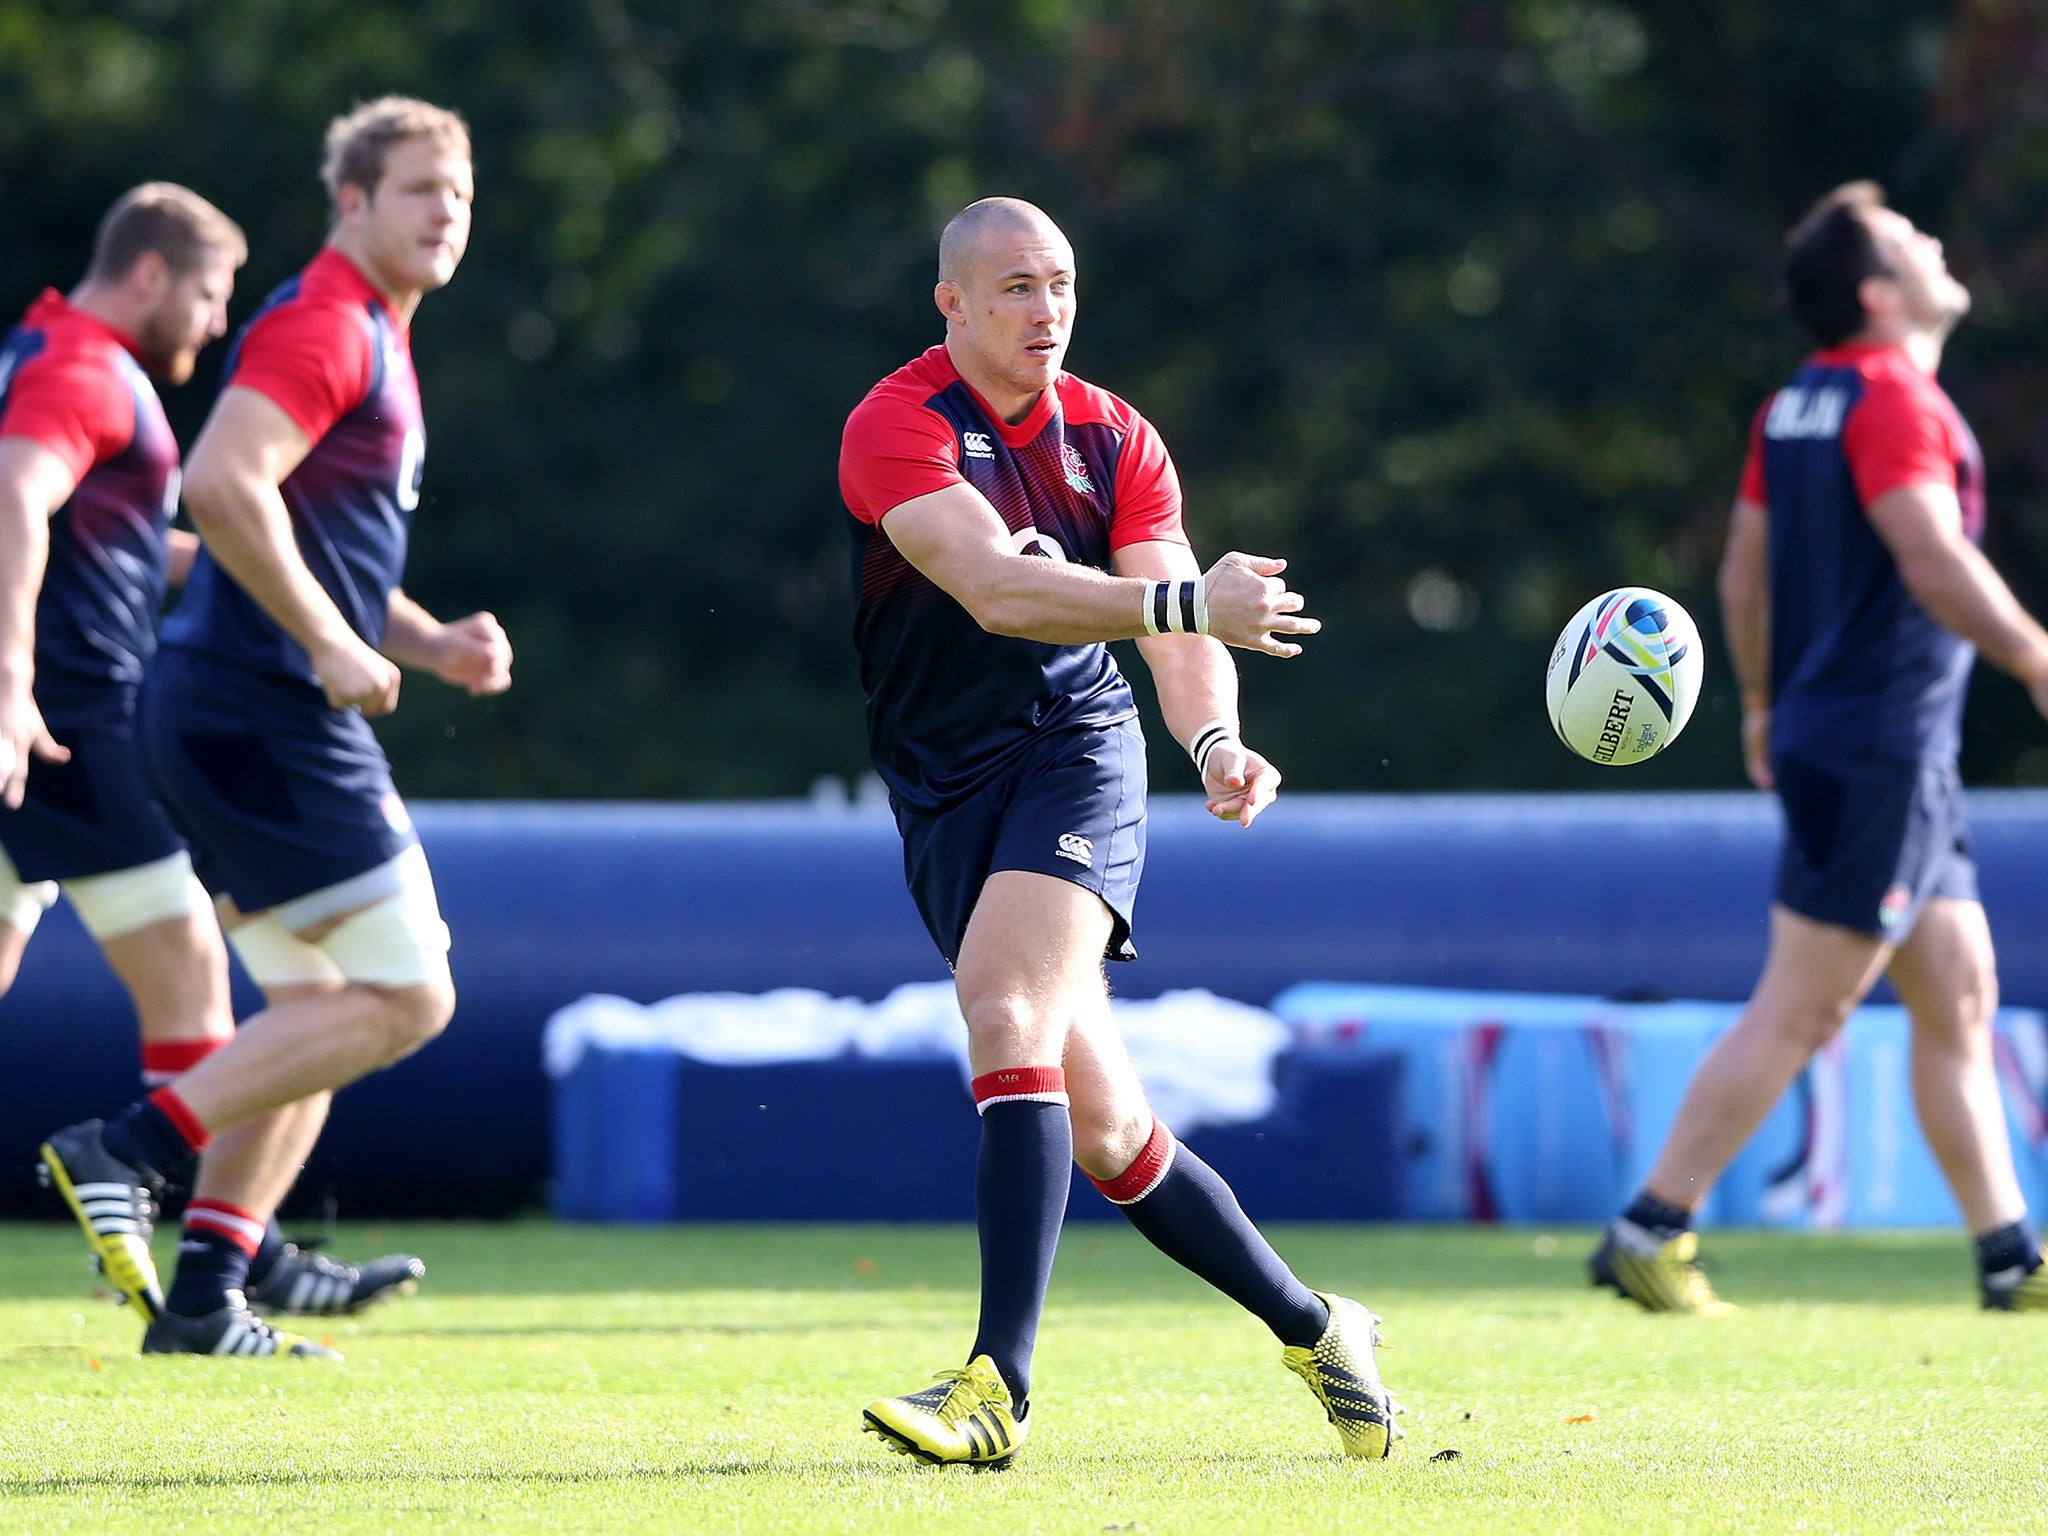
x,y
1624,677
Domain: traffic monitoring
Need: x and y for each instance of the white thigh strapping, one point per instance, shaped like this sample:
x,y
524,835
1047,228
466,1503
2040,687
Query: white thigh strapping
x,y
130,899
275,957
399,942
397,939
23,903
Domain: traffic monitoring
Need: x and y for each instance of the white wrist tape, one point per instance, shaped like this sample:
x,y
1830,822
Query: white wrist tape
x,y
1205,741
1177,607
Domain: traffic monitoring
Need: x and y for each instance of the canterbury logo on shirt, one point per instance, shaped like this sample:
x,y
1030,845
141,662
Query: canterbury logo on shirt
x,y
977,446
1807,413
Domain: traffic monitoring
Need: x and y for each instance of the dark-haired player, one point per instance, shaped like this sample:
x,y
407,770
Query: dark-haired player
x,y
88,486
253,717
1007,520
1855,599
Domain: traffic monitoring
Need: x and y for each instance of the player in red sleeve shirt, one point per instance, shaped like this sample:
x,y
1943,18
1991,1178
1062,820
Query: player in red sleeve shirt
x,y
88,485
1856,599
1007,520
252,719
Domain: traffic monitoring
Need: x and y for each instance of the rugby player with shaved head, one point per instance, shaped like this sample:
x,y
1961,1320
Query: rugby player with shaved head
x,y
254,716
1008,520
88,487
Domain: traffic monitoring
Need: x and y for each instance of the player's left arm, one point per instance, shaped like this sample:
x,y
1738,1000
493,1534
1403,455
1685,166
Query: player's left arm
x,y
472,653
1922,526
1197,685
1903,450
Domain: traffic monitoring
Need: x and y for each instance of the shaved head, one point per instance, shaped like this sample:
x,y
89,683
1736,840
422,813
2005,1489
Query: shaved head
x,y
964,234
1006,288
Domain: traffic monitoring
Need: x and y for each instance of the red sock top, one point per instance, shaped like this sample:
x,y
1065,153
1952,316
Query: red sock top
x,y
243,1228
1008,1085
179,1113
1145,1172
163,1060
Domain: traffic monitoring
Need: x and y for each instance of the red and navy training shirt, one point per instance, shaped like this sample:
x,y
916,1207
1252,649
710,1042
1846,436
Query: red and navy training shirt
x,y
72,384
1082,476
330,351
1858,668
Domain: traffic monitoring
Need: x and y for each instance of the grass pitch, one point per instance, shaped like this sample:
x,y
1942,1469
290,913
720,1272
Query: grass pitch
x,y
553,1378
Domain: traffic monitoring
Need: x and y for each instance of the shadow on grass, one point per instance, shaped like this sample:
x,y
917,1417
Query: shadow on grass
x,y
846,1469
1099,1264
836,1328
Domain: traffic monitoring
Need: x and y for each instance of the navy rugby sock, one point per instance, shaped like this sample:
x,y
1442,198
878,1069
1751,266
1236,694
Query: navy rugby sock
x,y
158,1134
267,1250
213,1257
1186,1211
1658,1216
2013,1246
1020,1200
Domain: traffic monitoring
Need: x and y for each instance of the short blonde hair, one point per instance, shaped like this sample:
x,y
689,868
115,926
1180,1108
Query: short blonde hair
x,y
174,221
358,141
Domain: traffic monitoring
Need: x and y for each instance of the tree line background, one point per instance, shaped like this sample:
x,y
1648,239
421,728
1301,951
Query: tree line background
x,y
1462,307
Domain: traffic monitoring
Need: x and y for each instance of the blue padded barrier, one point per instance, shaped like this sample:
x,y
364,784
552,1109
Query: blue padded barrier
x,y
1611,894
1520,1107
859,1138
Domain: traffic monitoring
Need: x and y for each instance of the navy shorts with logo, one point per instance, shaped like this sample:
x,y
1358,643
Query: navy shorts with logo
x,y
1072,806
93,815
278,794
1867,843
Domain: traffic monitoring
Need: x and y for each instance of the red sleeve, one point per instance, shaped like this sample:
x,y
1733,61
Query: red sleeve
x,y
894,451
1147,492
1897,435
76,406
313,360
1752,488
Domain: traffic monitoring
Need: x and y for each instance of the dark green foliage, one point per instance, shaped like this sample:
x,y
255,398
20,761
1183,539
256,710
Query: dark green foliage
x,y
1462,307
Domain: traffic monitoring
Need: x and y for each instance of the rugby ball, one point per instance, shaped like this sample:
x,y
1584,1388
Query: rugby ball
x,y
1624,676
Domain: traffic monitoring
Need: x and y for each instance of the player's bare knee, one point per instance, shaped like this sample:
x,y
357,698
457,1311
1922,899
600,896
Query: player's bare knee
x,y
1004,1026
1813,1023
1107,1141
413,1016
394,950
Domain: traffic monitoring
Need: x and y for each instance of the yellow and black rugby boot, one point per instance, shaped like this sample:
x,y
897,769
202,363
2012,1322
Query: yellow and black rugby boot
x,y
2018,1289
115,1203
964,1418
232,1330
1659,1274
1344,1374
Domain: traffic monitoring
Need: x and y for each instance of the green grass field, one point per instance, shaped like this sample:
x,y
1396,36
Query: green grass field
x,y
556,1378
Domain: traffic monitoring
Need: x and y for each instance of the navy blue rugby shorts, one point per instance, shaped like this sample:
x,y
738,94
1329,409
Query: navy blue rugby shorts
x,y
278,794
1071,806
1868,843
93,815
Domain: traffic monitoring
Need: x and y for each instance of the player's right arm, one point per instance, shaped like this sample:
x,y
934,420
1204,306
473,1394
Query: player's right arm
x,y
34,482
1922,526
247,449
899,469
960,544
1745,588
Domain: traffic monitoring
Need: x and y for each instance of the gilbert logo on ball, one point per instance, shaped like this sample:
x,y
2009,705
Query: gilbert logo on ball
x,y
1624,677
